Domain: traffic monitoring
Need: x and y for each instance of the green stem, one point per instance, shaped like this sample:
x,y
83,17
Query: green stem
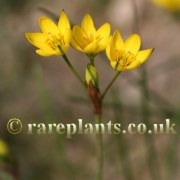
x,y
152,158
73,70
100,150
110,84
91,58
71,67
136,19
123,150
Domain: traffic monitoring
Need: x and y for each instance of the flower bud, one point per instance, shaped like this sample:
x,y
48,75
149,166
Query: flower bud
x,y
91,75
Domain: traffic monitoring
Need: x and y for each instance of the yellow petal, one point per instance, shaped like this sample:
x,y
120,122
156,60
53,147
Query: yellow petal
x,y
67,36
116,66
63,23
113,53
116,45
80,37
108,48
119,67
103,34
133,65
48,26
92,48
144,55
42,53
118,42
88,26
132,44
113,50
37,39
75,45
48,51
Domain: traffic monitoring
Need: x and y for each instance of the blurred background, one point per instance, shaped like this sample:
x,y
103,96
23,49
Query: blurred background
x,y
40,89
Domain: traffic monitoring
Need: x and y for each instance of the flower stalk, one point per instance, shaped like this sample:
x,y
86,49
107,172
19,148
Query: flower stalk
x,y
110,84
96,100
100,150
72,68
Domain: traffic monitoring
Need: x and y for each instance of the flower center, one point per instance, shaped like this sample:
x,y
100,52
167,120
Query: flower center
x,y
55,41
124,58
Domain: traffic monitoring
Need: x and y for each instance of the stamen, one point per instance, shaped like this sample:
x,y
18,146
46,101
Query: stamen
x,y
117,63
124,58
55,41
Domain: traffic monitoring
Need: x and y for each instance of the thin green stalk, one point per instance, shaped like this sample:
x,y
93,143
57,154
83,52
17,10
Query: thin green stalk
x,y
50,116
152,158
91,58
100,150
123,150
110,84
42,93
149,140
171,158
172,167
72,68
136,19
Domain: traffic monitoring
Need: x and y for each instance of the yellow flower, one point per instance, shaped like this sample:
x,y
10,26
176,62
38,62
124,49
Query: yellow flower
x,y
125,55
3,148
53,38
89,40
171,5
91,75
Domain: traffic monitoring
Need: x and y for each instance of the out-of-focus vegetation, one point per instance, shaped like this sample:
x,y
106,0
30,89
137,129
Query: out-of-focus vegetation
x,y
38,89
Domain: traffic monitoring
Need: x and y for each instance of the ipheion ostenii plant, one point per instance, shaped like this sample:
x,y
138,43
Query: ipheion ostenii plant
x,y
55,39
